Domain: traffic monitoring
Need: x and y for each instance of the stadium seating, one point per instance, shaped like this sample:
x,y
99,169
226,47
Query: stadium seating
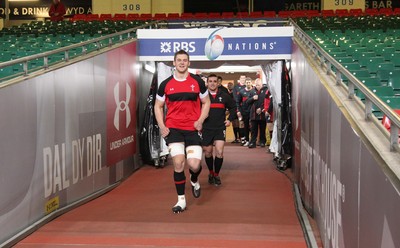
x,y
269,14
342,12
104,17
327,13
385,11
356,12
227,14
243,14
371,45
133,16
371,81
366,44
371,12
160,16
92,17
256,14
214,15
186,15
119,17
38,36
174,16
201,15
146,16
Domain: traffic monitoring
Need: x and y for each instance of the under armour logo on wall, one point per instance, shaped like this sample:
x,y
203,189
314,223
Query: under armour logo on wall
x,y
122,106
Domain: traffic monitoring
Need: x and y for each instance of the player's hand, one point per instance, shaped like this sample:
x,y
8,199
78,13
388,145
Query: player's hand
x,y
258,111
198,125
255,97
239,115
227,123
164,131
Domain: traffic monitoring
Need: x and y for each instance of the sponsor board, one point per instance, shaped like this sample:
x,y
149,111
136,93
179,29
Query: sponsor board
x,y
86,161
19,10
52,205
378,4
264,43
303,5
121,107
54,140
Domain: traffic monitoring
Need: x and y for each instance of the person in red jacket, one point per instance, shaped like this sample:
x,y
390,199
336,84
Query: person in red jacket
x,y
269,114
57,11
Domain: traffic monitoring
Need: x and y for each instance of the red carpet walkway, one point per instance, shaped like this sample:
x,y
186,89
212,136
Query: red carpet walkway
x,y
254,207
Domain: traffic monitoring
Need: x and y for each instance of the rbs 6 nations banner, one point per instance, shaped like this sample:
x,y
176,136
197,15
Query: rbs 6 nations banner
x,y
263,43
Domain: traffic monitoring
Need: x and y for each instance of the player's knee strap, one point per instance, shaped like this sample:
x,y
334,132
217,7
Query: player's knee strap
x,y
194,152
176,149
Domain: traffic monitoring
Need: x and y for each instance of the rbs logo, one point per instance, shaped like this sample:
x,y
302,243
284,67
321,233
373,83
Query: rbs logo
x,y
172,47
187,46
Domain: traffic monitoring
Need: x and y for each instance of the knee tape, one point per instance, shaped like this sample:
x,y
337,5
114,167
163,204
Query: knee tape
x,y
176,149
194,152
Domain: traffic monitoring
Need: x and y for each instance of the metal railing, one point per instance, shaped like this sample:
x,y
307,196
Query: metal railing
x,y
370,98
66,50
199,23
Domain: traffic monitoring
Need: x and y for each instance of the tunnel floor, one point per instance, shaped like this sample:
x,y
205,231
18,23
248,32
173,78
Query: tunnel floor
x,y
254,207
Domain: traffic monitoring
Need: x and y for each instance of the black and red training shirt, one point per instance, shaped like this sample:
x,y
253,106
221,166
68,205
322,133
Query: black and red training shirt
x,y
183,100
220,102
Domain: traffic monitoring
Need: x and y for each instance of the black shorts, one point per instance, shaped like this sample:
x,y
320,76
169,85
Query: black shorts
x,y
189,138
210,135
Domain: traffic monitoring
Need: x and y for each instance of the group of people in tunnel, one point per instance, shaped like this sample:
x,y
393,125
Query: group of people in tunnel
x,y
198,112
254,110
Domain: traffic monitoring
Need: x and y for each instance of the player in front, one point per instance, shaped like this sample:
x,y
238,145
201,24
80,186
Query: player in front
x,y
186,98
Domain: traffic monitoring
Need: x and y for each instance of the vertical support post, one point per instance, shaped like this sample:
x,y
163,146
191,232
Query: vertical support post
x,y
394,137
368,109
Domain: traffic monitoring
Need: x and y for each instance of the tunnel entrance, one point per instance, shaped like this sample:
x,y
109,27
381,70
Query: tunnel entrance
x,y
262,52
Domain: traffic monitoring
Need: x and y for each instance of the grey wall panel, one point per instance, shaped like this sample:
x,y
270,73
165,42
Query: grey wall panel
x,y
349,170
352,197
53,138
379,205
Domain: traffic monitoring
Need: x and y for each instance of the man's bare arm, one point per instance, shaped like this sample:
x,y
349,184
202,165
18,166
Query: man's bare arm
x,y
159,113
205,109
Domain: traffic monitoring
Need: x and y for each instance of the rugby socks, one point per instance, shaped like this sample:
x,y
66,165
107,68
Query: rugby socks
x,y
180,180
236,133
210,164
241,133
218,165
194,175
